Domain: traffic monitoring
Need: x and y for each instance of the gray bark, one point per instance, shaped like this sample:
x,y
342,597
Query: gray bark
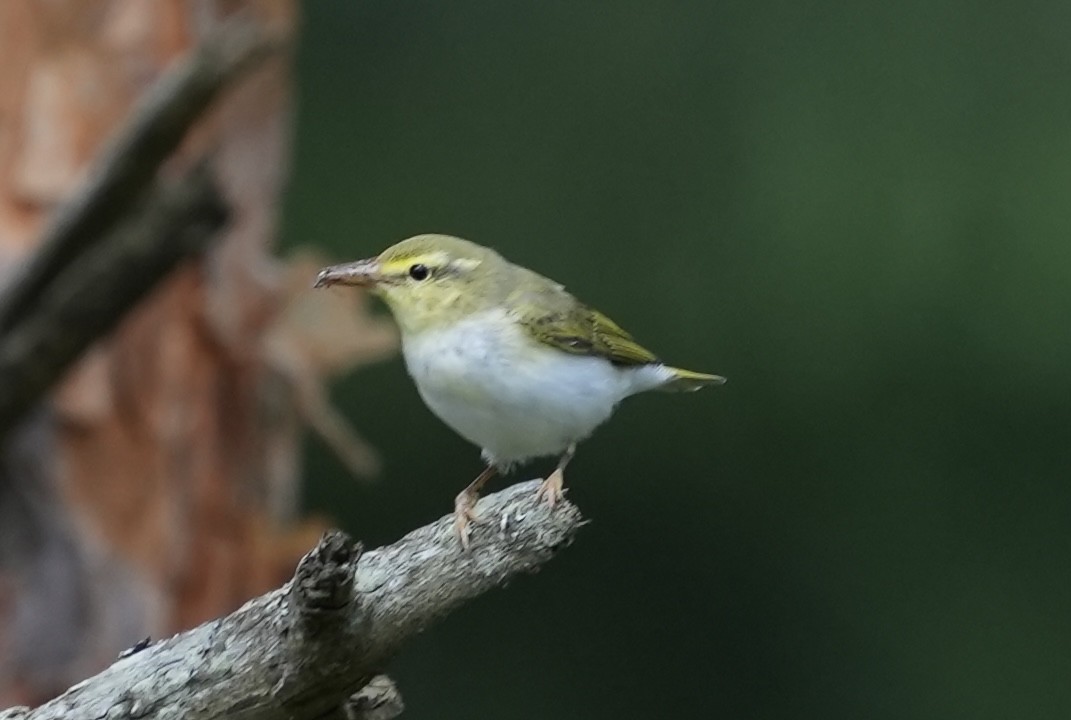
x,y
315,647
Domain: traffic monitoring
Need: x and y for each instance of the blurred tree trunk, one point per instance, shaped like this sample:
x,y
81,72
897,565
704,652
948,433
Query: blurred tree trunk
x,y
158,487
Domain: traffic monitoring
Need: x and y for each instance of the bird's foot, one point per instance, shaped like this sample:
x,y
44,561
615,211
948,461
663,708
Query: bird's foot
x,y
551,488
465,515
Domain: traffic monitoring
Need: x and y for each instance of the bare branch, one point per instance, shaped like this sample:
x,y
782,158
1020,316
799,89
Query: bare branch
x,y
125,168
87,298
122,232
317,645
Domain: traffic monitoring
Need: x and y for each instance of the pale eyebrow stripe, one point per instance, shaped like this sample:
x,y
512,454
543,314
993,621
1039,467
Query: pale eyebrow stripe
x,y
437,259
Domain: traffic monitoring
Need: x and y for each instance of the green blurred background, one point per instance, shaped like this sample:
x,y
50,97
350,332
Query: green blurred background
x,y
857,212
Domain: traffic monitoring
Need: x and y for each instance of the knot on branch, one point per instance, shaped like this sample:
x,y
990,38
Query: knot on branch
x,y
314,649
323,582
378,700
16,713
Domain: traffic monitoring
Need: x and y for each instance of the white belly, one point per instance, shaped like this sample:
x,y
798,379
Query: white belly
x,y
485,380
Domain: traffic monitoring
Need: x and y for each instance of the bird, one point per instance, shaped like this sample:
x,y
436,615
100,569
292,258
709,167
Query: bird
x,y
506,357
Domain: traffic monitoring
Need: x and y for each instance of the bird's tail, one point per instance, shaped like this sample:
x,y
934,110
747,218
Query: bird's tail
x,y
688,381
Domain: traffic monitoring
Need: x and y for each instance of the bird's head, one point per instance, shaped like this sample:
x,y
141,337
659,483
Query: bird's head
x,y
427,281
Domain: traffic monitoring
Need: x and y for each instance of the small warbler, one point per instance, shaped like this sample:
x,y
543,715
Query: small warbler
x,y
504,356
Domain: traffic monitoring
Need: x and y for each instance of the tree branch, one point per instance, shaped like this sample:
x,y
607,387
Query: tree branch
x,y
125,167
317,644
87,298
122,232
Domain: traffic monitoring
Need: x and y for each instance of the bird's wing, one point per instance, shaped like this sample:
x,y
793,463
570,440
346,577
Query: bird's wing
x,y
555,318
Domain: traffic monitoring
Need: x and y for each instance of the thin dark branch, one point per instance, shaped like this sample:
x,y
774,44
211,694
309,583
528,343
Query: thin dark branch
x,y
318,644
86,299
124,169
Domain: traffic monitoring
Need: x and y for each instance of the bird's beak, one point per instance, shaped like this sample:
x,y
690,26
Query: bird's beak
x,y
364,273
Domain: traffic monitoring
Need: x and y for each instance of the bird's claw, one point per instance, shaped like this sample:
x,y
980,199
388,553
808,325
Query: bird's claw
x,y
551,488
464,516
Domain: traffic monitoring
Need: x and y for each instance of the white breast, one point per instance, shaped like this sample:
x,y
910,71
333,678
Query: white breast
x,y
516,400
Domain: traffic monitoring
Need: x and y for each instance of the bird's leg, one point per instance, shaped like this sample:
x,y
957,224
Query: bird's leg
x,y
551,489
465,504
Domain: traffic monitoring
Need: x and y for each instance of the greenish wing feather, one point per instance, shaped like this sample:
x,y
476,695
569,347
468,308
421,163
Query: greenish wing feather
x,y
616,345
555,318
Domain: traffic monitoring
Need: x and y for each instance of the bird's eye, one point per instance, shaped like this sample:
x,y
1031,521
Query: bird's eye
x,y
419,272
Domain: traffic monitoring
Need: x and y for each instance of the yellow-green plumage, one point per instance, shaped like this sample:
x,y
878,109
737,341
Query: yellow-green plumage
x,y
506,357
560,321
543,308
